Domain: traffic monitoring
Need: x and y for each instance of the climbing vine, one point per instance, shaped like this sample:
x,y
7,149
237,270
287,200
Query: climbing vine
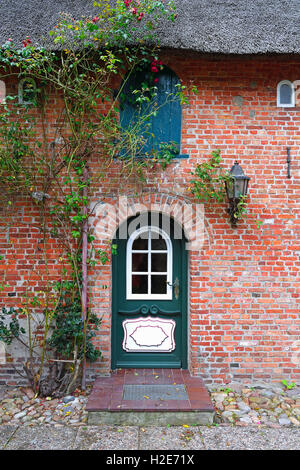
x,y
52,131
209,181
64,118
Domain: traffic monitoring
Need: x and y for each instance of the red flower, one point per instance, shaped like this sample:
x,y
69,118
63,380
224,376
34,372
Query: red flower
x,y
141,16
95,19
26,41
154,69
156,80
133,11
156,62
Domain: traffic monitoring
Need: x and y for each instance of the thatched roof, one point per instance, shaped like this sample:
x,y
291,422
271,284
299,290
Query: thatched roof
x,y
214,26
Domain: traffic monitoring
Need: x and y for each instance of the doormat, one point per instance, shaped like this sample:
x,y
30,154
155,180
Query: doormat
x,y
154,392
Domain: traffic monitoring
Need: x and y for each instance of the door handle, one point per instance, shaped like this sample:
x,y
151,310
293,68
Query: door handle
x,y
175,284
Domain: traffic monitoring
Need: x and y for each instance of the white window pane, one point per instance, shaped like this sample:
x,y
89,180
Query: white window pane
x,y
149,264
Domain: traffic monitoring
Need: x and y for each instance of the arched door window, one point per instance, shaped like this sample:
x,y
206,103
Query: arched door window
x,y
149,264
155,118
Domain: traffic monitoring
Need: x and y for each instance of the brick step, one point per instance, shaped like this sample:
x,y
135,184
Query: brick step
x,y
150,397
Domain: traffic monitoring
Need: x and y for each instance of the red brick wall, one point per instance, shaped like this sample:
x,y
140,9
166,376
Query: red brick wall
x,y
244,282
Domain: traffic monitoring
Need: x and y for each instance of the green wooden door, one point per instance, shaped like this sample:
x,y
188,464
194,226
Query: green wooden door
x,y
149,318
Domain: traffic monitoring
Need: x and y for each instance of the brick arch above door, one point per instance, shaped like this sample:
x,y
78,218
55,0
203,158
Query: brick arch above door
x,y
111,213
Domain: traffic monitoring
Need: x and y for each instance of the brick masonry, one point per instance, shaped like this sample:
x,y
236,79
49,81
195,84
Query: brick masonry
x,y
243,283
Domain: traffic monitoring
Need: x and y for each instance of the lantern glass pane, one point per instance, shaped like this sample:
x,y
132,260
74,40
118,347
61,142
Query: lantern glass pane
x,y
229,188
239,187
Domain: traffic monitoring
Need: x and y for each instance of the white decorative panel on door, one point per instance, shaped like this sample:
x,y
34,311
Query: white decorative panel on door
x,y
149,335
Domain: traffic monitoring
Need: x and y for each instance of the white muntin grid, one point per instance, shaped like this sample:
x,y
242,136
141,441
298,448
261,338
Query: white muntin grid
x,y
148,231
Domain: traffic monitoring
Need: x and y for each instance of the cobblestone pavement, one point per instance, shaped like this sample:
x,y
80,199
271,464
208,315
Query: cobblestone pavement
x,y
272,404
223,437
256,416
19,406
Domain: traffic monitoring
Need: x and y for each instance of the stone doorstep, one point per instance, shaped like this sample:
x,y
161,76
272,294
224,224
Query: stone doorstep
x,y
150,418
107,403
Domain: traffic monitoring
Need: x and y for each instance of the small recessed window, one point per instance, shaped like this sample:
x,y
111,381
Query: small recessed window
x,y
285,94
27,91
2,92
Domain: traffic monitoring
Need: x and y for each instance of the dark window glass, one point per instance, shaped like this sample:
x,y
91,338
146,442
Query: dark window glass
x,y
139,262
157,242
158,284
159,262
139,284
140,243
285,94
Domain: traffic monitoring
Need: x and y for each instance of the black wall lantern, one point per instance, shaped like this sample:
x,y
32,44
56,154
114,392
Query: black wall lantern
x,y
236,189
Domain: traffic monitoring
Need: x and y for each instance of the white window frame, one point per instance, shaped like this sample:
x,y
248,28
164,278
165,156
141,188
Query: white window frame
x,y
283,105
169,251
2,92
21,89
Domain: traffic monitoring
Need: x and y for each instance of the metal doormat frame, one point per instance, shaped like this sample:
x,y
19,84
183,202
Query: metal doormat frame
x,y
155,392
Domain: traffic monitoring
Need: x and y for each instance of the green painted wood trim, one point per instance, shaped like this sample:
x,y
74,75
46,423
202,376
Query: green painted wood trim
x,y
162,363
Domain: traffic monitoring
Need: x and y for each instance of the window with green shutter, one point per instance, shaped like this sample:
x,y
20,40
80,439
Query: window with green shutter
x,y
150,109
